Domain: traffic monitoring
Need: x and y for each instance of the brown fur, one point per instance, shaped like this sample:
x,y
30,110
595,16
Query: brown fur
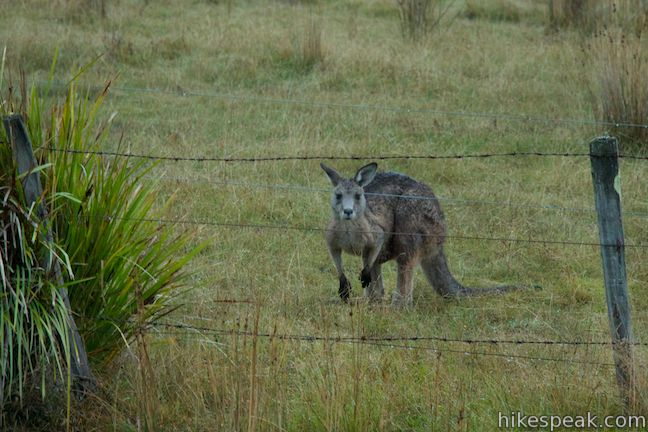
x,y
374,218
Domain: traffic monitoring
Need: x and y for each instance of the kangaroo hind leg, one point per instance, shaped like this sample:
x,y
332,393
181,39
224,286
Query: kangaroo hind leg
x,y
375,290
404,284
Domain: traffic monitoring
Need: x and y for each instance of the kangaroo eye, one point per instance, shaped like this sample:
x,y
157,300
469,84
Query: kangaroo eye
x,y
357,197
338,196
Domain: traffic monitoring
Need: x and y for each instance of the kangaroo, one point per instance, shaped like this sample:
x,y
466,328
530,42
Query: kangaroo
x,y
373,217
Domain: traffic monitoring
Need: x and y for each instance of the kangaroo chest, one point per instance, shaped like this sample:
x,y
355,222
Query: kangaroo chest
x,y
354,237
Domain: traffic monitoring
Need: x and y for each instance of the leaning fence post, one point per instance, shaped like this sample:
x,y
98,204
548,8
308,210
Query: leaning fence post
x,y
24,158
146,381
604,153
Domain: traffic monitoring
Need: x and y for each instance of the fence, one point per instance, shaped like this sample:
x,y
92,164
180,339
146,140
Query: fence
x,y
617,302
621,343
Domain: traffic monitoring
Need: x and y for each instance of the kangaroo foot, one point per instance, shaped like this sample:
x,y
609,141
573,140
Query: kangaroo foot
x,y
400,301
345,289
365,277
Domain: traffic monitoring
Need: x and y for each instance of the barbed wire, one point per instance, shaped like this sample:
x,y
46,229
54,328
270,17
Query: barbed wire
x,y
396,233
387,343
309,189
378,157
631,213
417,338
507,356
358,106
227,159
367,338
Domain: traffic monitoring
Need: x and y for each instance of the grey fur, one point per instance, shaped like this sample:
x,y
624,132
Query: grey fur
x,y
369,212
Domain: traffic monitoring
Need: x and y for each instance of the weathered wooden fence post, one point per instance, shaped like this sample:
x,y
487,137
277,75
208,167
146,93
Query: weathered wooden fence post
x,y
146,382
604,153
24,158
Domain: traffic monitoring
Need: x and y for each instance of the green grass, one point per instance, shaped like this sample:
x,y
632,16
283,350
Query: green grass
x,y
251,49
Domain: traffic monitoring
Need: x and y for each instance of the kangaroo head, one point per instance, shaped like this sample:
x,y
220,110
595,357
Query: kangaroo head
x,y
348,200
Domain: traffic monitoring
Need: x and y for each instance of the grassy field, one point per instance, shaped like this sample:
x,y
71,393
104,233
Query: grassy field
x,y
211,78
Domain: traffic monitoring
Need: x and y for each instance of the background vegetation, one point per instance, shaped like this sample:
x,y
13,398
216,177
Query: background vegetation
x,y
207,78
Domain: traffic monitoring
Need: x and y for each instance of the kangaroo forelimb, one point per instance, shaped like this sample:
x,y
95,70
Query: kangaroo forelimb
x,y
345,289
365,277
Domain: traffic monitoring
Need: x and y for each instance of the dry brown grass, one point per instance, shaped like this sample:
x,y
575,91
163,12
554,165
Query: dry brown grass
x,y
563,13
617,63
500,10
312,50
589,16
416,17
79,11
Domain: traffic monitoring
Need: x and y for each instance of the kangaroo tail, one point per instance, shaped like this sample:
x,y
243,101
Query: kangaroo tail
x,y
436,270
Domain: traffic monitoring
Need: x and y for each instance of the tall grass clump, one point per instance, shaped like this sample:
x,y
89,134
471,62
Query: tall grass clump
x,y
312,52
79,11
589,16
617,66
570,13
305,50
416,17
113,247
500,10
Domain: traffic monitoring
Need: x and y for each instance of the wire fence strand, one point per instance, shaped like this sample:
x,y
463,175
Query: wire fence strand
x,y
284,158
631,213
393,338
387,343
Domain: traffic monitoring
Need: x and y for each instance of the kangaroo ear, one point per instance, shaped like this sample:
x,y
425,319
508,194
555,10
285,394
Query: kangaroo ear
x,y
332,174
366,174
